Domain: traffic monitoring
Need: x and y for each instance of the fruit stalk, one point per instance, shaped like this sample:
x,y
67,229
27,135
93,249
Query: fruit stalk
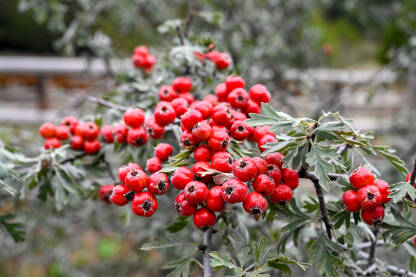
x,y
205,253
372,252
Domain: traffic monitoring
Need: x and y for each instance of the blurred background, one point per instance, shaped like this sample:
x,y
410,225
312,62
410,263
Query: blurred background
x,y
356,57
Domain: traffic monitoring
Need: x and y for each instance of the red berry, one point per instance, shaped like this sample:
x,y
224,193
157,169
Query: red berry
x,y
92,147
71,122
90,131
204,218
361,177
219,141
52,143
163,151
211,98
182,84
183,207
281,194
105,193
263,184
239,130
255,203
154,130
167,93
107,133
77,143
222,114
136,180
214,201
233,81
349,198
144,204
118,196
265,140
164,113
196,192
383,187
187,96
120,133
79,129
125,169
414,241
141,50
199,169
275,158
191,118
374,216
223,61
187,138
290,178
201,131
252,107
221,92
238,98
245,169
218,128
47,130
180,105
181,177
153,165
158,183
134,118
222,161
202,153
62,132
137,137
204,107
239,116
275,173
260,131
259,93
261,165
369,197
234,191
408,177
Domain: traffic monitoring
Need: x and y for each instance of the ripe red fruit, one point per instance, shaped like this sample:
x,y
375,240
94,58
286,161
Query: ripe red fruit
x,y
383,187
181,177
223,61
204,107
107,133
167,93
252,107
71,122
154,130
408,177
134,118
202,153
187,96
105,193
260,131
351,204
199,169
259,93
182,84
281,194
265,140
217,128
275,158
191,118
118,196
79,129
214,201
144,204
47,130
238,98
245,169
164,113
90,131
211,98
234,191
204,218
136,180
374,216
221,92
163,151
414,241
264,184
369,197
120,132
290,178
125,169
222,161
153,165
137,137
201,131
141,50
239,116
261,165
183,207
239,130
361,177
255,204
158,183
52,143
92,147
275,173
219,141
180,105
187,138
62,132
77,143
196,192
222,114
233,81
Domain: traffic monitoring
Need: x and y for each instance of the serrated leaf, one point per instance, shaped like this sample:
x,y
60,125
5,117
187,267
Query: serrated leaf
x,y
323,253
182,267
179,224
14,229
218,260
388,153
400,232
400,190
161,243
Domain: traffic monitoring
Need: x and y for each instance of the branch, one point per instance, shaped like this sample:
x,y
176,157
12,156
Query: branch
x,y
110,171
72,159
413,175
390,268
107,103
343,148
373,246
178,30
189,16
205,252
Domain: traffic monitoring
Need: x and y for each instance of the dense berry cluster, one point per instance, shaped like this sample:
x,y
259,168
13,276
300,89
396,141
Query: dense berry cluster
x,y
142,58
369,196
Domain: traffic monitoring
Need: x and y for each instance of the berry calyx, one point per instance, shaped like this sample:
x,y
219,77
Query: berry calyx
x,y
195,192
158,183
245,169
144,204
125,169
136,180
369,197
234,191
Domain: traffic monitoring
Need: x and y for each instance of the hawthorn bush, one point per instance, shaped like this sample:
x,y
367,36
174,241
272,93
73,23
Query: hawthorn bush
x,y
182,131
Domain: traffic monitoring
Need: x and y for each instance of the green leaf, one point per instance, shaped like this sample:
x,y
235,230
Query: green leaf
x,y
179,224
388,153
400,232
400,190
162,243
182,267
15,229
218,261
282,263
324,253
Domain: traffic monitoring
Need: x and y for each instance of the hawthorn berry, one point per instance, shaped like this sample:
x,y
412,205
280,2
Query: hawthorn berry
x,y
275,173
234,191
158,183
195,192
211,98
290,178
222,161
137,137
223,61
163,151
265,140
199,169
62,132
233,81
47,130
217,128
202,153
221,92
154,130
120,133
214,201
77,143
107,133
245,169
186,138
260,131
369,197
239,130
136,180
144,204
374,216
187,96
219,141
183,207
118,196
52,143
261,165
180,105
164,113
275,158
252,107
201,131
167,93
181,177
361,177
125,169
238,116
281,194
141,50
71,122
90,131
204,107
92,147
383,187
255,204
351,204
414,241
191,118
263,184
238,98
222,114
259,94
134,118
153,165
105,193
182,84
204,218
79,129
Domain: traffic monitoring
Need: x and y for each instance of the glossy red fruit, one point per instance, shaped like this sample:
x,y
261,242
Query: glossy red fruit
x,y
239,130
234,191
158,183
219,141
47,130
105,193
191,118
196,192
259,94
120,133
260,131
201,131
163,151
223,61
222,161
351,204
183,207
71,122
107,133
281,194
62,132
180,105
202,153
137,137
92,147
182,84
374,216
245,169
125,169
154,130
90,131
164,113
261,165
290,178
77,143
167,93
144,204
255,204
187,96
275,173
204,107
275,158
221,92
252,107
263,184
204,218
136,180
187,139
199,169
134,118
214,201
265,140
361,177
181,177
211,98
141,50
233,81
222,114
153,165
414,241
238,98
238,116
218,128
52,143
118,196
383,187
79,129
369,197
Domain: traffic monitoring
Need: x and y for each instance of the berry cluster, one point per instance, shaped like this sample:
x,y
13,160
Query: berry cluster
x,y
143,59
369,196
221,60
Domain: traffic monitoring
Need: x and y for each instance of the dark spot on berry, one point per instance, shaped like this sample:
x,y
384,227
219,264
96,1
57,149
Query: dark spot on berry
x,y
161,186
256,211
229,190
230,160
147,205
178,208
134,172
240,98
129,195
370,196
149,131
283,203
243,164
241,128
270,167
164,109
224,144
139,141
191,189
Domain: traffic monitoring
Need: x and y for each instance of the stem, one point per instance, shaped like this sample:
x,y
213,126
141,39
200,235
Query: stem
x,y
372,252
107,103
205,253
179,31
110,172
72,159
413,175
189,17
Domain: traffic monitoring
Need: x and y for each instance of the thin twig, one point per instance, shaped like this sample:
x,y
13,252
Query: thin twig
x,y
72,159
372,251
189,16
110,171
107,103
180,36
205,253
342,149
413,175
